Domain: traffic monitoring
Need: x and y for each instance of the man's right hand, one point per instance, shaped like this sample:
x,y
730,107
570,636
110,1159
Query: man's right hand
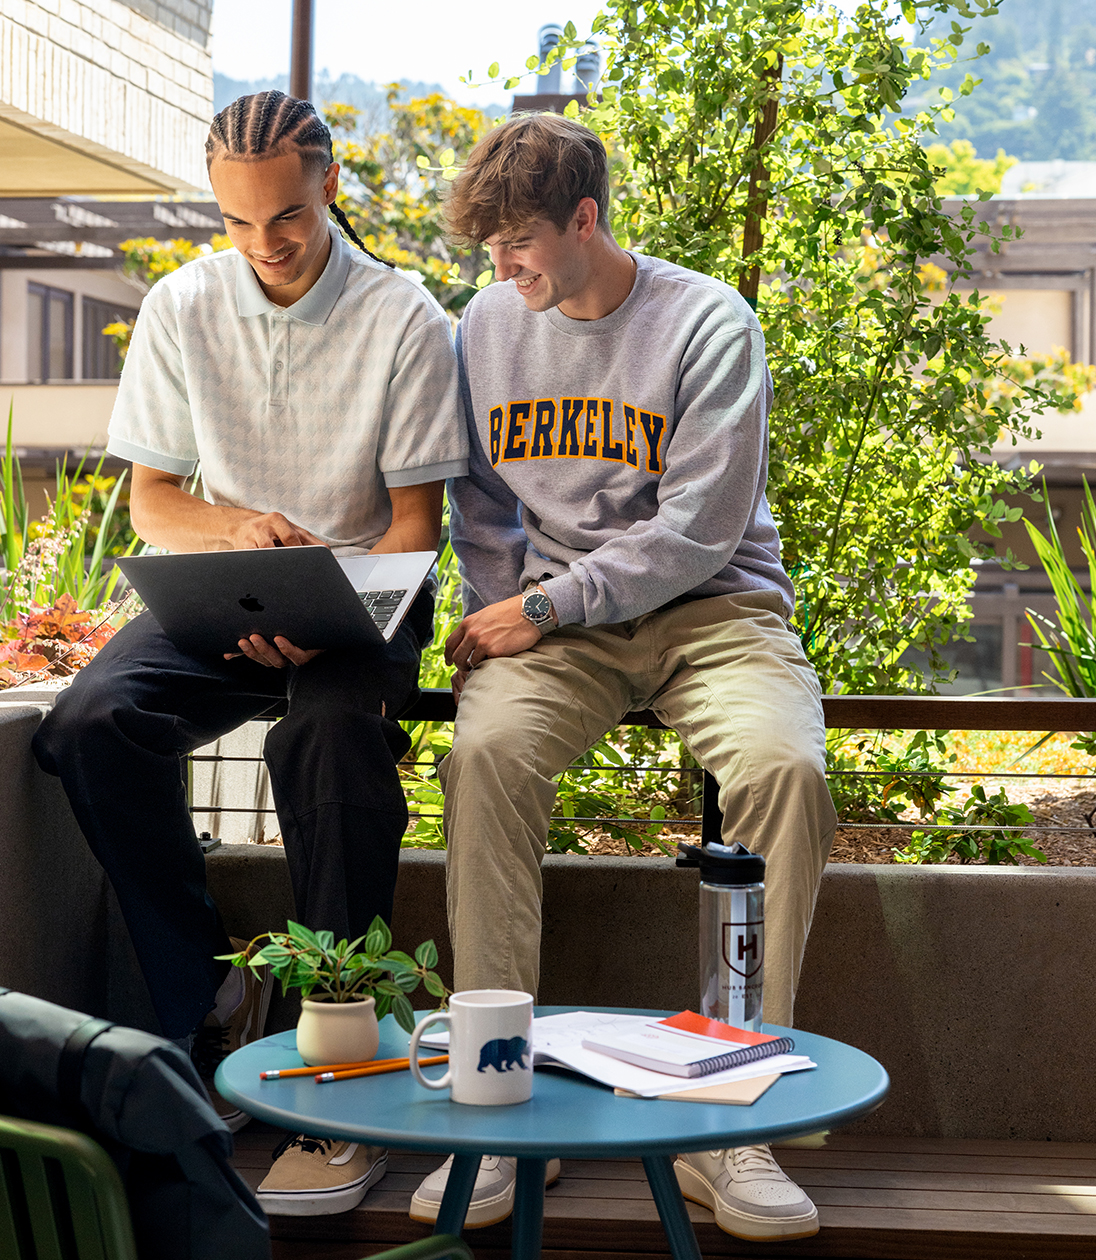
x,y
165,514
269,529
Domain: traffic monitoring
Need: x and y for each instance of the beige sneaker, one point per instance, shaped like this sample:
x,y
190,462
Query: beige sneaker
x,y
492,1197
749,1193
318,1176
238,1018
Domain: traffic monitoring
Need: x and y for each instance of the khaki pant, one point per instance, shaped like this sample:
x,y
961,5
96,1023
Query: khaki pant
x,y
730,677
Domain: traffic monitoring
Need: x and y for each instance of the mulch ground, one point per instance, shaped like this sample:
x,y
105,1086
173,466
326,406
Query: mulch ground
x,y
1064,805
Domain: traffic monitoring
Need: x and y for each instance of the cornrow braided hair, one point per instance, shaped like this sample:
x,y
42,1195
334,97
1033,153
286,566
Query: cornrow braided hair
x,y
258,126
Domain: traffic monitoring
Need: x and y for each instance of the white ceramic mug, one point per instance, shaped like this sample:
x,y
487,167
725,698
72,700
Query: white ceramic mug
x,y
490,1047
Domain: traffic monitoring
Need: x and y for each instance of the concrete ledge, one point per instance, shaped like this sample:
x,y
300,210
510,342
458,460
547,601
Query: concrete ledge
x,y
970,984
62,937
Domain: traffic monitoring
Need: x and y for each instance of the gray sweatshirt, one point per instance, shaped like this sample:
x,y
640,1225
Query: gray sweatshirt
x,y
621,462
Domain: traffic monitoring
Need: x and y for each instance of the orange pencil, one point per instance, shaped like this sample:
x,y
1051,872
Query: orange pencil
x,y
377,1069
326,1067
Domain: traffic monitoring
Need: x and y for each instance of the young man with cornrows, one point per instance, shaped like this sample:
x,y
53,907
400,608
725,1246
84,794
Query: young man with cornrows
x,y
317,390
617,553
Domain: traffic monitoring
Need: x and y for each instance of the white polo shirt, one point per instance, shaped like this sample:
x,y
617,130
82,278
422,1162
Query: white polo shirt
x,y
311,410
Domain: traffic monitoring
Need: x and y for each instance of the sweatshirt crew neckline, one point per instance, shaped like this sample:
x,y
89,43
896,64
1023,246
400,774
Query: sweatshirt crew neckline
x,y
615,320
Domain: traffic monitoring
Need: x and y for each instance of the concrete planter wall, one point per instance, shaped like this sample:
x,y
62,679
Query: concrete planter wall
x,y
972,985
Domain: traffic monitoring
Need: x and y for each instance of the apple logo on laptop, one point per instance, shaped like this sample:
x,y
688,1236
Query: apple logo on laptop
x,y
251,604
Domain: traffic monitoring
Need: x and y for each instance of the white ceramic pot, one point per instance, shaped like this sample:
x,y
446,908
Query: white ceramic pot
x,y
337,1032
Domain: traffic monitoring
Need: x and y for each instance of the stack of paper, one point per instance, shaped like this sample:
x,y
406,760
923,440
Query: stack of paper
x,y
557,1042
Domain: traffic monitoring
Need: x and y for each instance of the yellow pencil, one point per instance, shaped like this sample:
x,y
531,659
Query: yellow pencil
x,y
326,1067
377,1069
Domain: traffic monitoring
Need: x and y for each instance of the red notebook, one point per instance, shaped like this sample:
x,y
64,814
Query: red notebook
x,y
701,1026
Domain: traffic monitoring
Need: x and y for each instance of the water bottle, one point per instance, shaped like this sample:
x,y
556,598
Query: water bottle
x,y
732,931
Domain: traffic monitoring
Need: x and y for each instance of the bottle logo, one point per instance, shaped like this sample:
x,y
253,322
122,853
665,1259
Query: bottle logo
x,y
743,947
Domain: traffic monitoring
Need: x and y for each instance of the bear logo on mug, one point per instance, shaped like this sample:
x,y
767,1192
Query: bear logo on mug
x,y
503,1054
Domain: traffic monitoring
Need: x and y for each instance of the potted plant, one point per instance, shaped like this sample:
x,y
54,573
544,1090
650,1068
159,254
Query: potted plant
x,y
346,987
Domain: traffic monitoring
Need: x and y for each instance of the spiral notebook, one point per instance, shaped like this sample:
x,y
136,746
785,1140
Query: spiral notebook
x,y
676,1048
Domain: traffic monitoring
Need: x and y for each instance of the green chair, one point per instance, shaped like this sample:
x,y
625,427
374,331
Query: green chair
x,y
60,1196
61,1199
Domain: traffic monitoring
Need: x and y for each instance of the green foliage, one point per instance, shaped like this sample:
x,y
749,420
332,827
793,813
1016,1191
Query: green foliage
x,y
65,553
15,518
886,393
1069,640
365,967
963,172
971,843
871,783
392,185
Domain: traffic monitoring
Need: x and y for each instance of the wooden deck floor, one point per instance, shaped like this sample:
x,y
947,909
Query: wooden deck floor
x,y
878,1199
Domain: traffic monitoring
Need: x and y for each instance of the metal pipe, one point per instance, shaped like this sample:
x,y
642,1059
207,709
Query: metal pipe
x,y
300,50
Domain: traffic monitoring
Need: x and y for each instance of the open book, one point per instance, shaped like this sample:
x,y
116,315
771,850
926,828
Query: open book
x,y
557,1042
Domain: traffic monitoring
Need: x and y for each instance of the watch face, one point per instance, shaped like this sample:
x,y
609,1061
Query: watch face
x,y
537,607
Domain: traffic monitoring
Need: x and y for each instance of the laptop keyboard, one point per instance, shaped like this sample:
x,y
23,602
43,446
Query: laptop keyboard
x,y
381,605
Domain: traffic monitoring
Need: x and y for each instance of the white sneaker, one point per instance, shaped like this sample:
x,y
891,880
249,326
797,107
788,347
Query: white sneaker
x,y
492,1197
318,1176
748,1192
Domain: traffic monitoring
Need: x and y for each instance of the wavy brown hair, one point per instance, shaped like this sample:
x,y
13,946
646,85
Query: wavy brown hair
x,y
536,166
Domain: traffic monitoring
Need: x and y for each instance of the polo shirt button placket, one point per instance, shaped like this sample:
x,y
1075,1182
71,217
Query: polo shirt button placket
x,y
279,356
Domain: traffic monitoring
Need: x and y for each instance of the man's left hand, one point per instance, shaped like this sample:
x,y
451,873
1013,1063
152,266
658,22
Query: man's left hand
x,y
498,630
277,655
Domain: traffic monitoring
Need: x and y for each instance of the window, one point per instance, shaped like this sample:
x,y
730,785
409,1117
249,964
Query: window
x,y
101,361
49,333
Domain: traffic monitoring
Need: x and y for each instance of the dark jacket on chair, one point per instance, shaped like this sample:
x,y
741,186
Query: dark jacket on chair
x,y
141,1099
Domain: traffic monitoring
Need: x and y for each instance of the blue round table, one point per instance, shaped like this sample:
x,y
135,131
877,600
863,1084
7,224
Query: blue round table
x,y
568,1116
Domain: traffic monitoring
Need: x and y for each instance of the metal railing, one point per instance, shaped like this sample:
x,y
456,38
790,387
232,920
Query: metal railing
x,y
841,712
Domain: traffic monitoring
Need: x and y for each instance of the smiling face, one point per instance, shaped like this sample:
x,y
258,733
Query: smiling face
x,y
546,265
275,213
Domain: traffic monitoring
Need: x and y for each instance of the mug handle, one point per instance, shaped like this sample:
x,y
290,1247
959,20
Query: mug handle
x,y
441,1082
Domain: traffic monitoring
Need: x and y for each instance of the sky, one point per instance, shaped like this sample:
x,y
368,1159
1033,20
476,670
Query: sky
x,y
432,41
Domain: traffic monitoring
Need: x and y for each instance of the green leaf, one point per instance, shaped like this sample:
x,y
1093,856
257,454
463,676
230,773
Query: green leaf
x,y
571,109
493,70
433,985
446,157
484,278
381,928
531,63
299,932
404,1013
427,954
422,162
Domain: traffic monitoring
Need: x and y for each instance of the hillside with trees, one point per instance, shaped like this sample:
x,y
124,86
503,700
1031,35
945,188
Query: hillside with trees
x,y
1037,98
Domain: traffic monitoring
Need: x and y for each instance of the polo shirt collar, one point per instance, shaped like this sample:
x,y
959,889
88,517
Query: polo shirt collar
x,y
316,305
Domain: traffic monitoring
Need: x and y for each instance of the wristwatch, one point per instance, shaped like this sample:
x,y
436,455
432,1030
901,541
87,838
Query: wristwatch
x,y
537,608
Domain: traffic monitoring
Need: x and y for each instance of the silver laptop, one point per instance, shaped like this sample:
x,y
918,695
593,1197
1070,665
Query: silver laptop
x,y
206,601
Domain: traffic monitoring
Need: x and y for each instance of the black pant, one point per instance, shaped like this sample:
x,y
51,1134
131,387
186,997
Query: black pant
x,y
115,739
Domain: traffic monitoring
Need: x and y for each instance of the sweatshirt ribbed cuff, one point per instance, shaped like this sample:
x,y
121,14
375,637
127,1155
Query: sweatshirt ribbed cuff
x,y
566,596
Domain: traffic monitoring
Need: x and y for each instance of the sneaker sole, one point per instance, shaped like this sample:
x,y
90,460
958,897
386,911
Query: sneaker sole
x,y
235,1120
480,1215
321,1202
740,1224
